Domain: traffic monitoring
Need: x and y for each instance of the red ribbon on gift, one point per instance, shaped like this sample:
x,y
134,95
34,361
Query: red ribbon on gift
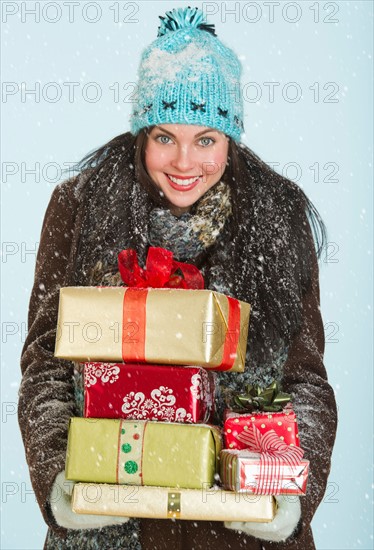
x,y
160,272
274,454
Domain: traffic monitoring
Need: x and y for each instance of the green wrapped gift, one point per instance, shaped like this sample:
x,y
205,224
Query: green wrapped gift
x,y
130,452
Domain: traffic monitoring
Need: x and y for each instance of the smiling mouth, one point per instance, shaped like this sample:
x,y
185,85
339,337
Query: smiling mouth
x,y
183,181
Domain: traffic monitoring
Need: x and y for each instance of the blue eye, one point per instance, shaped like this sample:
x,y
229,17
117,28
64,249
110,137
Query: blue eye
x,y
163,139
205,141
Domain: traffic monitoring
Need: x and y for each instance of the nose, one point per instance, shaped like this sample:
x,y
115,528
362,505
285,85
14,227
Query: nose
x,y
183,159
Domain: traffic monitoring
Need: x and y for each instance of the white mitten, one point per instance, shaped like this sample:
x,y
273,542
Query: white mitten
x,y
60,502
278,530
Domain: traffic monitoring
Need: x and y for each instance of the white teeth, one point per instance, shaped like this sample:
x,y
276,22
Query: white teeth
x,y
183,182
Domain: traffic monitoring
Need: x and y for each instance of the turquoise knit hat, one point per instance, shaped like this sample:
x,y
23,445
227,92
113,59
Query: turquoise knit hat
x,y
187,76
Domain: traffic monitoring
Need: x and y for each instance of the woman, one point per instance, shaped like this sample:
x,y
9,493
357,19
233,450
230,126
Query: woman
x,y
182,180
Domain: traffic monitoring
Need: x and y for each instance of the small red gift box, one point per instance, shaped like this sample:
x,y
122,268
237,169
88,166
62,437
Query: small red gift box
x,y
148,392
236,427
245,471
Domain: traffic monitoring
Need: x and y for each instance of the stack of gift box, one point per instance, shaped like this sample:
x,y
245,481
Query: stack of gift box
x,y
263,454
144,447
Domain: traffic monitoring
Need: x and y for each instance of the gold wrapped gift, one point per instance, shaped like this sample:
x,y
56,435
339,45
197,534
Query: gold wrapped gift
x,y
211,504
142,452
164,326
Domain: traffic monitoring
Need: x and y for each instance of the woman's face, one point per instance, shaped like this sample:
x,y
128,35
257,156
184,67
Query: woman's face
x,y
184,161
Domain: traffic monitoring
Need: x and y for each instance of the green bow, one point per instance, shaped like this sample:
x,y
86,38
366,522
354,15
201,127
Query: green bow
x,y
271,399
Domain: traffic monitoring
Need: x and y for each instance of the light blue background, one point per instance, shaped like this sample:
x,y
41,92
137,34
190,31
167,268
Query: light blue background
x,y
308,132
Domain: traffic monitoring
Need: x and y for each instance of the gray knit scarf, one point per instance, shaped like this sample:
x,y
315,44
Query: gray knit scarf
x,y
186,236
193,232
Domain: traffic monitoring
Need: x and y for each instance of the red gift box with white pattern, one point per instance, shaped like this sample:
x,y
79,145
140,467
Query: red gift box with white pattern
x,y
283,423
148,392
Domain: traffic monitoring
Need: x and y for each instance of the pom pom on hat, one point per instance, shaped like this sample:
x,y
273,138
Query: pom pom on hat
x,y
184,18
188,76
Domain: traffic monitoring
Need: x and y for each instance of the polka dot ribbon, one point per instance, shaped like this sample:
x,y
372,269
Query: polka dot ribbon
x,y
130,450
